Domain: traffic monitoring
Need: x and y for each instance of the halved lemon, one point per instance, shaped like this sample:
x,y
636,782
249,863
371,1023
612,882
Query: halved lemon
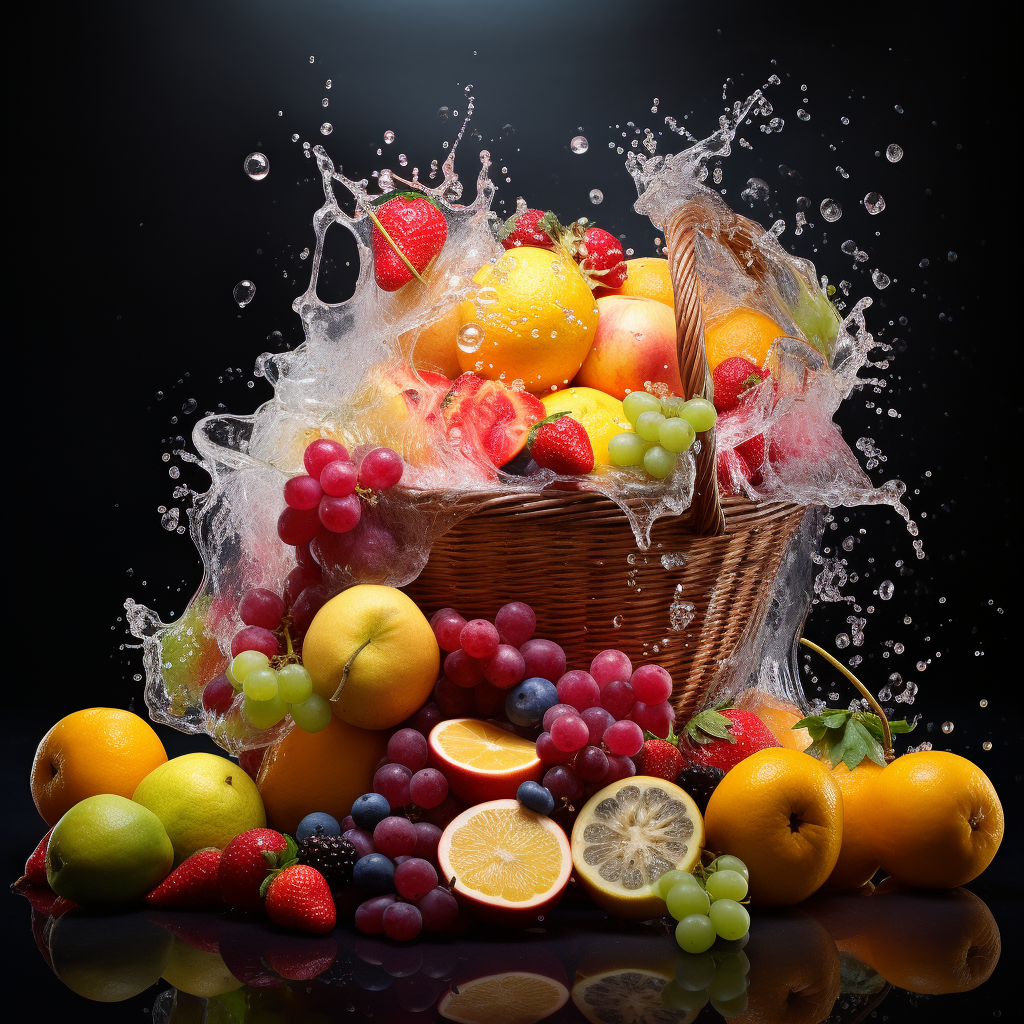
x,y
627,836
509,864
632,996
518,997
481,761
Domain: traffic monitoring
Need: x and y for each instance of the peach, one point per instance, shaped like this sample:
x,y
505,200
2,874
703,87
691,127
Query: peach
x,y
635,342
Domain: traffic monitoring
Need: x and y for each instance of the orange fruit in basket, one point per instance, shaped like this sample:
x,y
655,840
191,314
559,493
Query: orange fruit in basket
x,y
740,332
937,820
780,716
481,761
648,277
781,813
318,771
537,316
858,860
433,347
516,997
510,865
93,751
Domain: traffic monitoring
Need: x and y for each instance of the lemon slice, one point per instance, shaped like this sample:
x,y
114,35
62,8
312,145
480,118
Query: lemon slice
x,y
627,836
518,997
630,996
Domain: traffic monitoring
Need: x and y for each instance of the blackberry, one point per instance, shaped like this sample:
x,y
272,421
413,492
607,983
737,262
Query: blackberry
x,y
332,856
700,781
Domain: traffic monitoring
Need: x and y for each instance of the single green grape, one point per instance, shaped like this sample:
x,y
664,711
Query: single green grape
x,y
727,985
675,997
659,462
732,1007
264,713
235,683
730,863
672,878
295,684
313,714
648,424
696,933
260,685
245,662
727,885
683,900
637,402
626,449
676,434
695,971
730,919
700,412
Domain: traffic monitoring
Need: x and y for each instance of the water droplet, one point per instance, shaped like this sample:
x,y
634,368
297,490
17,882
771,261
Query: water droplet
x,y
442,114
617,622
879,279
189,406
257,166
470,338
169,520
326,128
327,84
885,589
848,544
295,137
243,292
921,666
873,203
898,109
894,153
756,189
324,102
951,256
987,745
304,254
803,115
947,727
831,210
596,196
579,144
842,640
389,137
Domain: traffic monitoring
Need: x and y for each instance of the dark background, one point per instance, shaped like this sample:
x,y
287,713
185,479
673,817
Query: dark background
x,y
134,221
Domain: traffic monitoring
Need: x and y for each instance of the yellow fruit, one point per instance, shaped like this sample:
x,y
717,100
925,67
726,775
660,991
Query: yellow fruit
x,y
741,332
601,416
434,347
858,860
538,318
627,836
107,850
780,716
518,997
937,820
372,653
648,277
203,800
781,813
630,995
198,972
98,750
318,771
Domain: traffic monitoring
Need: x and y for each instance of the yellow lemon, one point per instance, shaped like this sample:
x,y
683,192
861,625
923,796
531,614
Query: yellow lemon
x,y
648,277
537,317
601,416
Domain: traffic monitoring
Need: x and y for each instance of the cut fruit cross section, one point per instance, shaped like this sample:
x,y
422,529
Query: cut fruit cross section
x,y
632,996
509,865
518,997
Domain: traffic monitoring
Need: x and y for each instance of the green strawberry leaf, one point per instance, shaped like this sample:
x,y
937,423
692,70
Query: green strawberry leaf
x,y
508,227
379,201
709,726
835,719
902,726
551,226
848,736
265,884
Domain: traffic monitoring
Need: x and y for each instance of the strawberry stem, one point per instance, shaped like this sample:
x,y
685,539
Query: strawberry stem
x,y
890,753
391,242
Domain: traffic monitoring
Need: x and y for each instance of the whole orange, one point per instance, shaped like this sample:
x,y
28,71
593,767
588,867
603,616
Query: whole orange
x,y
648,277
781,813
740,332
779,715
858,860
937,820
318,771
93,751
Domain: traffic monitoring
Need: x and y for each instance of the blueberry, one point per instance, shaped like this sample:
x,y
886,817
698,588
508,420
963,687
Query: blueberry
x,y
534,797
369,810
309,823
526,704
374,874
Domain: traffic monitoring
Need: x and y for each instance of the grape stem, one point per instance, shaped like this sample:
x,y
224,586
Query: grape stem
x,y
889,752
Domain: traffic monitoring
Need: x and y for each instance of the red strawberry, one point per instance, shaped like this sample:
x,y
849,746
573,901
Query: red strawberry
x,y
750,455
193,883
417,227
724,737
732,471
661,758
35,866
604,263
246,862
560,443
298,896
732,378
522,229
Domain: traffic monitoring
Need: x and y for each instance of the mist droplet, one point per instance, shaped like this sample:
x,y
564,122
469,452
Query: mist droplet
x,y
304,254
169,520
470,338
579,144
257,166
389,137
885,589
442,113
295,137
879,279
243,292
947,727
326,128
987,745
596,196
831,210
324,102
873,203
894,153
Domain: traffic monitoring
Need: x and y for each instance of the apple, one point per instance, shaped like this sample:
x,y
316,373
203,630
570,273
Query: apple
x,y
635,342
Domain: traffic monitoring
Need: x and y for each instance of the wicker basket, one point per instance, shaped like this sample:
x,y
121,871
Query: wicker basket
x,y
573,557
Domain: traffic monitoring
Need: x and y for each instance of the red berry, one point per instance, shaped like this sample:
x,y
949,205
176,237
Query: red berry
x,y
579,689
544,659
610,665
521,229
303,492
414,878
319,453
651,684
452,701
479,638
624,739
463,670
505,667
439,909
605,262
338,478
260,607
340,515
218,695
549,753
570,732
515,622
297,526
255,638
447,625
617,699
656,718
394,836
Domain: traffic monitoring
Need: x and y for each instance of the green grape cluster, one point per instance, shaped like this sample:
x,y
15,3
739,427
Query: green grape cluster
x,y
271,693
661,430
710,909
718,975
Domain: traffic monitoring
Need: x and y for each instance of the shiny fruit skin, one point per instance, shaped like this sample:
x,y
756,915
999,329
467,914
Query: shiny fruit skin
x,y
751,815
600,414
858,860
434,347
649,277
740,332
937,820
93,751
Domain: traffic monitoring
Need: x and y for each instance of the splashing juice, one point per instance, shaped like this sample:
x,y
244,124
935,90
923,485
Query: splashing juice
x,y
371,372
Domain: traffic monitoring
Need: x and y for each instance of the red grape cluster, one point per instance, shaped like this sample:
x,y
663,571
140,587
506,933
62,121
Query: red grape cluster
x,y
328,494
590,738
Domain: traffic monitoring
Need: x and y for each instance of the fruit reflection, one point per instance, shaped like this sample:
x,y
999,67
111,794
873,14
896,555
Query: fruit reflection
x,y
516,997
198,972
